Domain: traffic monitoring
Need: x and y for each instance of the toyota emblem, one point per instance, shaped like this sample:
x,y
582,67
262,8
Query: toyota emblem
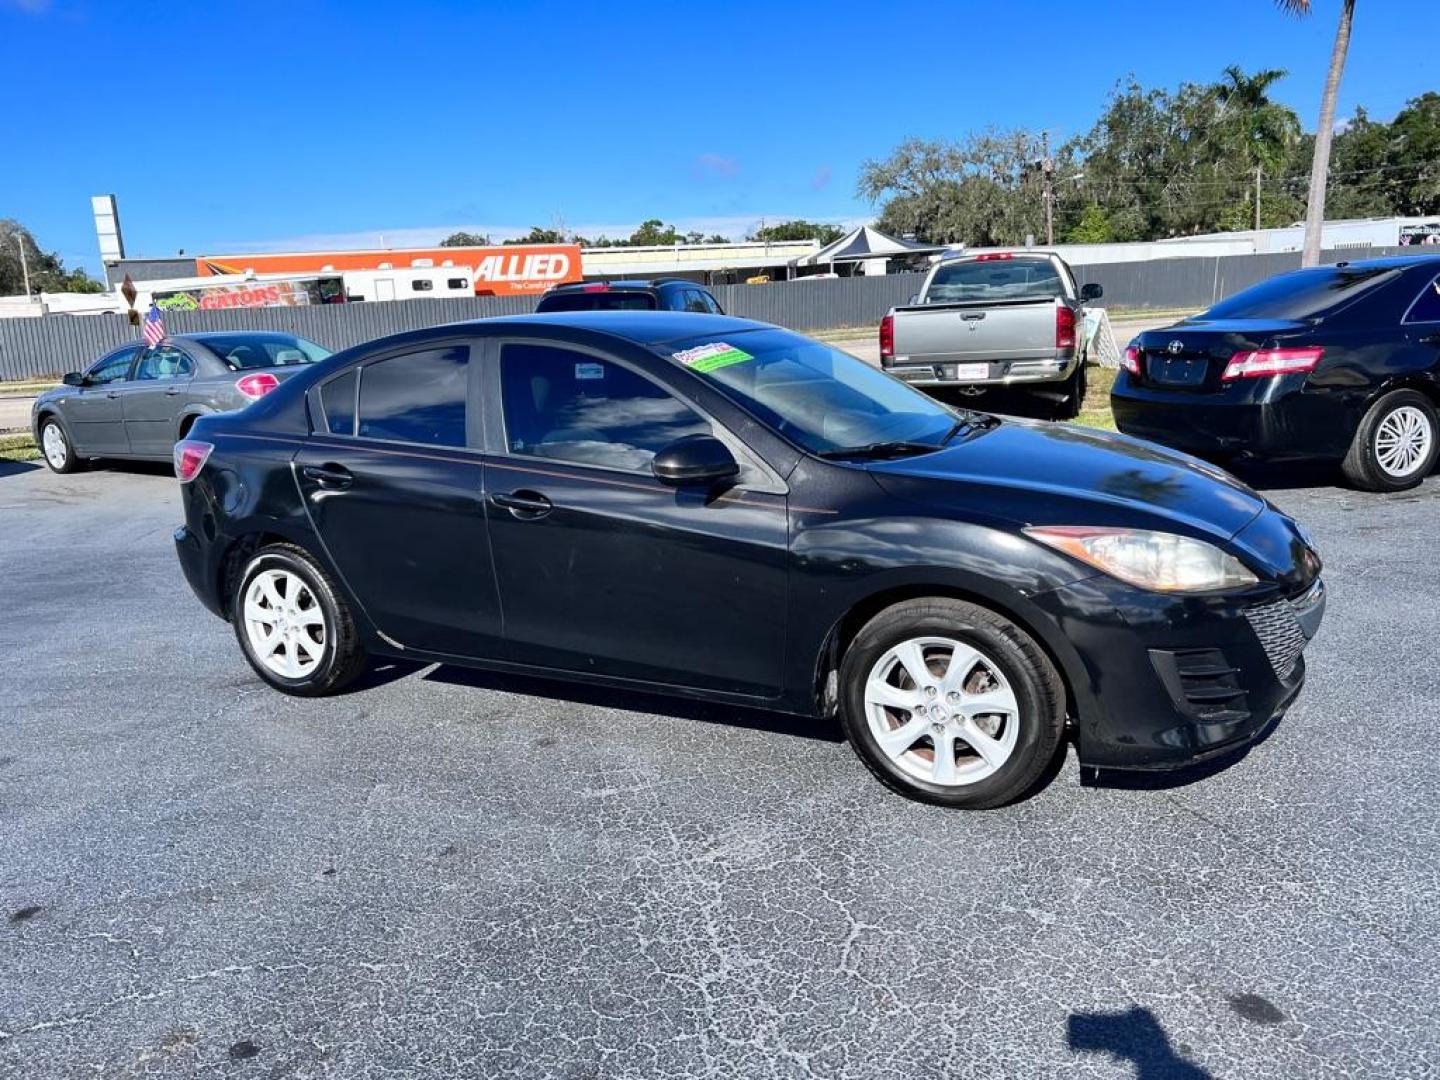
x,y
1175,348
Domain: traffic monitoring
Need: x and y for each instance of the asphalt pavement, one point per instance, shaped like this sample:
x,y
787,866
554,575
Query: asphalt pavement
x,y
446,873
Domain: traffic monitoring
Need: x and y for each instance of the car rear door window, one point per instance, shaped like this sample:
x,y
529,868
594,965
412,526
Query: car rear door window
x,y
164,362
337,399
114,367
1426,307
418,397
577,407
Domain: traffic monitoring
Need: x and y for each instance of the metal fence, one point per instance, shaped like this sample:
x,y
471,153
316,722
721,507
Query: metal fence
x,y
52,344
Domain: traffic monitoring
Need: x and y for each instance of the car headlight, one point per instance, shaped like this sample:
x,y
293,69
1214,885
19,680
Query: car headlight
x,y
1152,560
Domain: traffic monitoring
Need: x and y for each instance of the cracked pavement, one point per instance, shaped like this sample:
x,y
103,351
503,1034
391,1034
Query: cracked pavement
x,y
448,873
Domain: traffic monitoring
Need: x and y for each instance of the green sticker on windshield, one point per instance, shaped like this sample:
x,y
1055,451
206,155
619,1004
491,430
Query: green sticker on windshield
x,y
707,358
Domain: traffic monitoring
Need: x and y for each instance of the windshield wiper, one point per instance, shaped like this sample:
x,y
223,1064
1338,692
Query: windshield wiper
x,y
872,451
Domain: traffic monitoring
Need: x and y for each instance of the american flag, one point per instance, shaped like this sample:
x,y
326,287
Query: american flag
x,y
154,329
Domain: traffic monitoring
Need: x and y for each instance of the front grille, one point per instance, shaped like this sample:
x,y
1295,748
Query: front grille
x,y
1279,633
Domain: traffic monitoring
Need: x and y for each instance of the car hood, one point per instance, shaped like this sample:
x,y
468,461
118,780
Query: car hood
x,y
1028,473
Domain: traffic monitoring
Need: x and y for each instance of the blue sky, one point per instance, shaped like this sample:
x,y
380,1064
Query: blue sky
x,y
275,126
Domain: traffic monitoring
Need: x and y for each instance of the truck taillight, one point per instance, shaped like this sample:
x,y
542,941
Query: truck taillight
x,y
887,337
1064,327
257,385
1257,363
190,458
1130,361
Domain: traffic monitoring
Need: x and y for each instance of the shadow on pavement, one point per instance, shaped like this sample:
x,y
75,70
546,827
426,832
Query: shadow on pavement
x,y
1268,476
1135,1036
16,468
632,701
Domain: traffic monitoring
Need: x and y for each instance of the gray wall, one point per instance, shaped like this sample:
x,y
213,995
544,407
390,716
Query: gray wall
x,y
54,344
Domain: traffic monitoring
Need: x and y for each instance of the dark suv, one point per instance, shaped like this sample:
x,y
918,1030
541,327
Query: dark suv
x,y
662,294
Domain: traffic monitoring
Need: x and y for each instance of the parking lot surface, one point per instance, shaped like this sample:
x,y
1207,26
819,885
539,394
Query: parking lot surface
x,y
447,873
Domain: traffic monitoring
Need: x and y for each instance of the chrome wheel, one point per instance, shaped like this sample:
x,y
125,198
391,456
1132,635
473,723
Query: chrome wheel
x,y
942,711
1402,441
52,445
284,624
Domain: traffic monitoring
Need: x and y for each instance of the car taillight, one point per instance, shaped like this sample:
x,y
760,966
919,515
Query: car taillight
x,y
257,385
599,287
190,458
1256,363
887,337
1064,327
993,256
1130,361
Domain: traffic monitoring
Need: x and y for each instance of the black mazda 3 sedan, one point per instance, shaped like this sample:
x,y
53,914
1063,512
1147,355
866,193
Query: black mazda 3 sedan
x,y
1335,363
715,508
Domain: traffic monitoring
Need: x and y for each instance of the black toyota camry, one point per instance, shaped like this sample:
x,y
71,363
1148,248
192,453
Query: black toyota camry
x,y
1335,363
711,507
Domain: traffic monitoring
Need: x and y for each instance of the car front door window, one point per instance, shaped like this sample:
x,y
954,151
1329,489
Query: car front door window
x,y
575,407
113,368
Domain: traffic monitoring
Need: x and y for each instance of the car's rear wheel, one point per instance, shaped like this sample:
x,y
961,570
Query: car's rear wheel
x,y
55,447
1396,444
293,625
951,703
1069,406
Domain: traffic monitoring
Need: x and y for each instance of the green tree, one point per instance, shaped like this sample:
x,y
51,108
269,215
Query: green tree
x,y
538,235
466,239
1413,158
47,270
1092,228
798,229
1260,130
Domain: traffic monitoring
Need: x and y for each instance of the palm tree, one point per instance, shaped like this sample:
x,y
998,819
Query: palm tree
x,y
1320,166
1263,129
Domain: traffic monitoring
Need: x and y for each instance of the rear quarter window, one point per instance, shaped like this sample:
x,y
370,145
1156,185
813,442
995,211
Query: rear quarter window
x,y
597,301
337,400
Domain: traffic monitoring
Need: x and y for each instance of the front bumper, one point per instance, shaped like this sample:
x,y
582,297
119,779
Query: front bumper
x,y
998,373
1171,680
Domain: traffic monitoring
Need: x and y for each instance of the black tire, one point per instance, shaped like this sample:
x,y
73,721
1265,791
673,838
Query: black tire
x,y
1362,465
342,654
1070,405
72,462
1037,686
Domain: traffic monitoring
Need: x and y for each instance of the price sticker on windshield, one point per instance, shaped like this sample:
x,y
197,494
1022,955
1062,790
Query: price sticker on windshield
x,y
707,358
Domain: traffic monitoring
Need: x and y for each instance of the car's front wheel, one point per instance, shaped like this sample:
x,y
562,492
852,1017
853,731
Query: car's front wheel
x,y
951,703
56,449
293,625
1396,444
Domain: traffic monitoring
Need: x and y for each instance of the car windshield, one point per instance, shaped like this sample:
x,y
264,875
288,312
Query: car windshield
x,y
995,279
823,399
597,300
1302,294
240,352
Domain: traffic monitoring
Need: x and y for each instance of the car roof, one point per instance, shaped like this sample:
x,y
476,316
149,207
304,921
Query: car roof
x,y
635,283
203,336
1394,261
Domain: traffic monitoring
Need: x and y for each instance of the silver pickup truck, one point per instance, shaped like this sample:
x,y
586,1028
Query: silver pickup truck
x,y
991,321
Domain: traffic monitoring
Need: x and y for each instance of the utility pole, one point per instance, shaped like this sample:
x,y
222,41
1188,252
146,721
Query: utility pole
x,y
24,264
1257,198
1047,171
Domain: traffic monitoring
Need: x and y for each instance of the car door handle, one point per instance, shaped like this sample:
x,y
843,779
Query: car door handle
x,y
973,316
112,393
172,391
526,505
1431,339
329,476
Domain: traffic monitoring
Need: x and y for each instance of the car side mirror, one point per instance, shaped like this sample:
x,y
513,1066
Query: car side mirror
x,y
695,459
1092,291
73,378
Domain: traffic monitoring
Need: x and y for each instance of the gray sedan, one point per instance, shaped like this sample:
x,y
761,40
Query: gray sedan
x,y
136,402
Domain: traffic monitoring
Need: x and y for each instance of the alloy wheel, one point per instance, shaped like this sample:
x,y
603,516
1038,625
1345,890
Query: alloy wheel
x,y
52,445
1402,441
284,624
942,711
